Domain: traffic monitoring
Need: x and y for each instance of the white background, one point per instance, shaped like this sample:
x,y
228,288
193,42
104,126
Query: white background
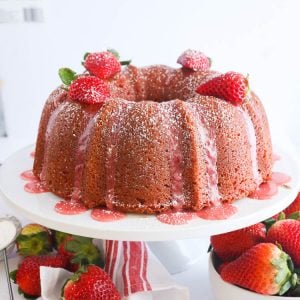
x,y
259,37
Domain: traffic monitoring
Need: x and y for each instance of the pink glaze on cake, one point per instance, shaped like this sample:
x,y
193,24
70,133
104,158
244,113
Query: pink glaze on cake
x,y
217,212
280,178
106,215
252,142
265,191
35,187
176,218
28,175
175,158
275,157
80,154
66,207
207,139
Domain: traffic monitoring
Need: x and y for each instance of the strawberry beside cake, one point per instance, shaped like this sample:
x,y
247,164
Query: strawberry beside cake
x,y
152,139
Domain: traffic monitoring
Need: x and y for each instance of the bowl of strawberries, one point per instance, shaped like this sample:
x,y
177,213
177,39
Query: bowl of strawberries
x,y
261,261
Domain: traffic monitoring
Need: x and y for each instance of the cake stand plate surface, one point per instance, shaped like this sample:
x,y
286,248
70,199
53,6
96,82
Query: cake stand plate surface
x,y
40,207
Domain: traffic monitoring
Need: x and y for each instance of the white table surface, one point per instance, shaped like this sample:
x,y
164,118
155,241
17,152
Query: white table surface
x,y
195,278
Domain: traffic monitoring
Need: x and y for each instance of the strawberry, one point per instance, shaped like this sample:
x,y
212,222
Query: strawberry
x,y
287,234
231,86
27,276
294,207
102,64
91,283
89,89
194,60
34,239
79,250
264,269
231,245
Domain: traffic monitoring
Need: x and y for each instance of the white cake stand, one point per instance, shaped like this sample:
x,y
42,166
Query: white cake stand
x,y
40,208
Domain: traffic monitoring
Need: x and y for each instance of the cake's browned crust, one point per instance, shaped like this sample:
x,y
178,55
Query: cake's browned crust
x,y
155,145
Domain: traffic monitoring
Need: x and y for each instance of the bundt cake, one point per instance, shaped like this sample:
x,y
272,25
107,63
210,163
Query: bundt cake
x,y
143,140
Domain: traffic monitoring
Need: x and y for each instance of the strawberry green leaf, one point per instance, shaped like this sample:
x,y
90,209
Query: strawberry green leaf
x,y
297,270
269,222
295,215
13,275
114,52
25,295
85,55
209,248
290,264
281,216
285,288
67,75
294,279
125,62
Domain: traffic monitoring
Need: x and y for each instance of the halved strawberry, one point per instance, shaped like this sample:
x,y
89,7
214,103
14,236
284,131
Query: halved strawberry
x,y
231,86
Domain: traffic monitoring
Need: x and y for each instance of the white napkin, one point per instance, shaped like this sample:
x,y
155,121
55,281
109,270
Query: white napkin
x,y
52,282
134,269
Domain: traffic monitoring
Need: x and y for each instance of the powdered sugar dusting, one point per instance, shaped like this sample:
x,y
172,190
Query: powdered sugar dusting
x,y
194,60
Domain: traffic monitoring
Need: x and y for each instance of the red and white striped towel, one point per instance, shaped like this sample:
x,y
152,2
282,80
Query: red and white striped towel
x,y
138,274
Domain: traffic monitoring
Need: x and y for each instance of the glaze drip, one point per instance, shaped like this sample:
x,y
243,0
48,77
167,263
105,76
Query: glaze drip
x,y
175,154
207,140
116,122
252,142
51,123
80,154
